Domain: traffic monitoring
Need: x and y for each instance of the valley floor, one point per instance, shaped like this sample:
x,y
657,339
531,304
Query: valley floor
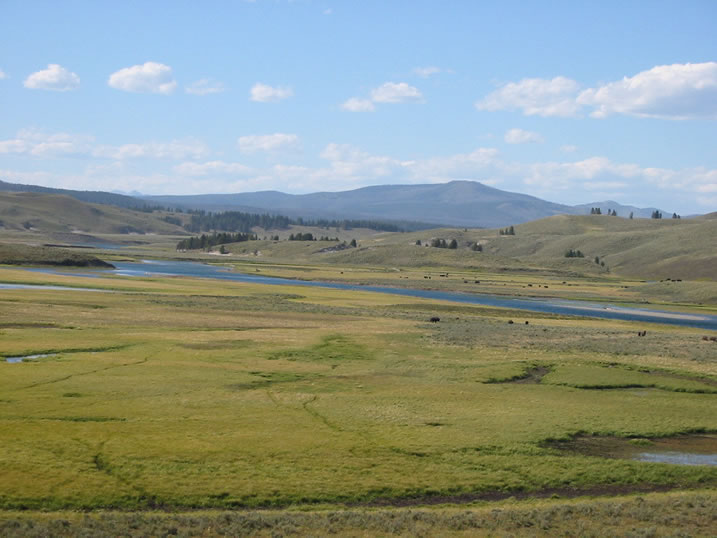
x,y
237,408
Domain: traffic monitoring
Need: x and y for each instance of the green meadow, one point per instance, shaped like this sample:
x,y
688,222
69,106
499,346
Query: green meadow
x,y
184,394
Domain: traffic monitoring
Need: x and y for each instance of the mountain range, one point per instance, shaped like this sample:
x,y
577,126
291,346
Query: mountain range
x,y
457,203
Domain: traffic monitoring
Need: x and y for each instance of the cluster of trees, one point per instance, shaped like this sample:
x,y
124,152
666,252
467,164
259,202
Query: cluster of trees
x,y
235,221
658,215
441,243
205,241
302,237
508,231
598,211
238,221
600,262
571,253
348,224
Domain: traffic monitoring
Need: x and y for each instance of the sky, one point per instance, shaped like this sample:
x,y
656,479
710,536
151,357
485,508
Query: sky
x,y
573,102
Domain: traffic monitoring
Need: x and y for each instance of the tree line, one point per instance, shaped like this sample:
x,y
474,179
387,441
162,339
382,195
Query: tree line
x,y
238,221
205,241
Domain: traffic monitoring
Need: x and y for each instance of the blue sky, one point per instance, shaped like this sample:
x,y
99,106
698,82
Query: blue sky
x,y
570,101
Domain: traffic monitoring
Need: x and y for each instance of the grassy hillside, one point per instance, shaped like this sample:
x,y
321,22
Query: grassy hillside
x,y
35,255
641,248
647,248
58,213
644,248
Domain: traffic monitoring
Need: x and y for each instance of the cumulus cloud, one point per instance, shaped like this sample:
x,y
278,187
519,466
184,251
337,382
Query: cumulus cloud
x,y
39,143
176,149
272,142
519,136
355,104
263,93
55,78
673,92
212,168
677,92
389,92
205,86
396,92
425,72
535,97
150,77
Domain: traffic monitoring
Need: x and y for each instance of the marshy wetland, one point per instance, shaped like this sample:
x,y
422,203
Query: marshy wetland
x,y
339,410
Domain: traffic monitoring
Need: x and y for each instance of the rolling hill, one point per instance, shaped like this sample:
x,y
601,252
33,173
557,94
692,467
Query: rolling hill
x,y
641,248
467,204
457,203
94,197
53,213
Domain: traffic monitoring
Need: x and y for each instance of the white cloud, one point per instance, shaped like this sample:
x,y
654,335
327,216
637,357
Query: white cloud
x,y
552,175
389,92
176,149
535,97
212,168
355,104
426,72
396,92
674,92
272,142
677,92
568,148
205,86
2,74
41,144
150,77
55,78
263,93
519,136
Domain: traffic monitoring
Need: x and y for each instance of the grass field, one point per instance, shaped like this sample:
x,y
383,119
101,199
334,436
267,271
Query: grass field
x,y
193,407
186,394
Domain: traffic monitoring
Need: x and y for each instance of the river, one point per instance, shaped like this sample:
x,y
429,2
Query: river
x,y
550,306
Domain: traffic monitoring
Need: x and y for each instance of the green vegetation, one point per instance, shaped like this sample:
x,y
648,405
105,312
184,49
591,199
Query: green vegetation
x,y
339,410
18,254
185,394
670,514
205,241
35,213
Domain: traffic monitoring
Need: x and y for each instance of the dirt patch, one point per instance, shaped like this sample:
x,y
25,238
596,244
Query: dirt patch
x,y
695,449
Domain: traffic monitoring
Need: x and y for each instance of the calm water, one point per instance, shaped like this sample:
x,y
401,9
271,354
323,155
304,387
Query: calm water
x,y
15,360
678,458
551,306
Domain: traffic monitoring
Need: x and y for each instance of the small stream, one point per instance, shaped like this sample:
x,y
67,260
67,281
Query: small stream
x,y
16,360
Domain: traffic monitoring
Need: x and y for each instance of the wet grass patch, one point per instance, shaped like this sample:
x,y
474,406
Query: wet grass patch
x,y
217,344
334,348
614,376
267,379
635,448
533,374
